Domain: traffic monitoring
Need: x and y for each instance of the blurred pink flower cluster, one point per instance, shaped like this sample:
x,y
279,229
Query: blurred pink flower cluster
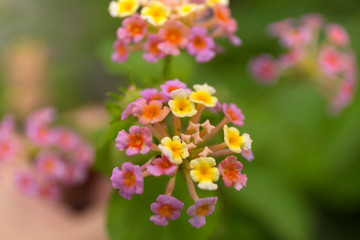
x,y
56,157
318,49
176,137
161,28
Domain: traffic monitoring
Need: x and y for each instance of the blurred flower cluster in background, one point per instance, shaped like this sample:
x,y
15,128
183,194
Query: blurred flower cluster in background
x,y
316,50
303,182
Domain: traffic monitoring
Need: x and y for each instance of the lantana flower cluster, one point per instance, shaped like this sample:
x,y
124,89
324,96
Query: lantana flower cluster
x,y
55,157
165,27
171,129
320,50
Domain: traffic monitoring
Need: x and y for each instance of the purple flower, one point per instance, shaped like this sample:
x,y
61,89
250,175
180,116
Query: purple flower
x,y
50,165
138,140
129,180
247,154
200,45
129,109
264,68
27,183
153,94
234,114
202,208
166,208
162,166
170,86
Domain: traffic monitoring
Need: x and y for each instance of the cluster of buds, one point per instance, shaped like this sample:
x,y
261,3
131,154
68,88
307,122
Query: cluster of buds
x,y
164,27
56,157
318,49
177,138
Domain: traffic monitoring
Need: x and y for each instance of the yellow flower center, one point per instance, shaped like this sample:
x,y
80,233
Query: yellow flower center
x,y
136,141
182,105
176,148
234,139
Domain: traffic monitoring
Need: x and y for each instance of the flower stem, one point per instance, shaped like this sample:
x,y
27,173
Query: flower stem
x,y
189,182
171,185
167,68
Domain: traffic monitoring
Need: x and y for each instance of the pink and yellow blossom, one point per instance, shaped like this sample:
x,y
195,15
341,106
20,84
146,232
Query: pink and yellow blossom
x,y
202,208
138,140
230,170
129,180
166,208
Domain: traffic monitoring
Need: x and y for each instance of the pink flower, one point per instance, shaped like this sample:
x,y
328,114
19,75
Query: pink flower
x,y
202,208
264,68
133,29
129,109
129,180
9,144
121,51
170,86
278,28
234,114
139,140
217,108
26,182
151,47
201,45
291,57
166,208
153,94
313,20
65,139
337,34
150,113
50,165
174,35
230,170
84,155
344,96
330,61
226,22
74,174
50,191
37,128
162,166
296,37
247,154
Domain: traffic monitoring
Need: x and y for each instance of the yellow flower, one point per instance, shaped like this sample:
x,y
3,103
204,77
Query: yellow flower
x,y
188,8
123,8
180,105
221,2
156,13
203,94
234,141
204,172
175,149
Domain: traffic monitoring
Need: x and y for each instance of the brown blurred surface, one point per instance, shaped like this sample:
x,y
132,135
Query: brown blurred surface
x,y
32,218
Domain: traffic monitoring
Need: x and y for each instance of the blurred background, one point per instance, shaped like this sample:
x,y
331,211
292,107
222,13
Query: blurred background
x,y
304,182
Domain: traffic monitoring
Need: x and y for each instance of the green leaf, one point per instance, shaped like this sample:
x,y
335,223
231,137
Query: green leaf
x,y
277,205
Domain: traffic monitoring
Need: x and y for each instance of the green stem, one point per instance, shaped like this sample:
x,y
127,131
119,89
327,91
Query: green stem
x,y
167,68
